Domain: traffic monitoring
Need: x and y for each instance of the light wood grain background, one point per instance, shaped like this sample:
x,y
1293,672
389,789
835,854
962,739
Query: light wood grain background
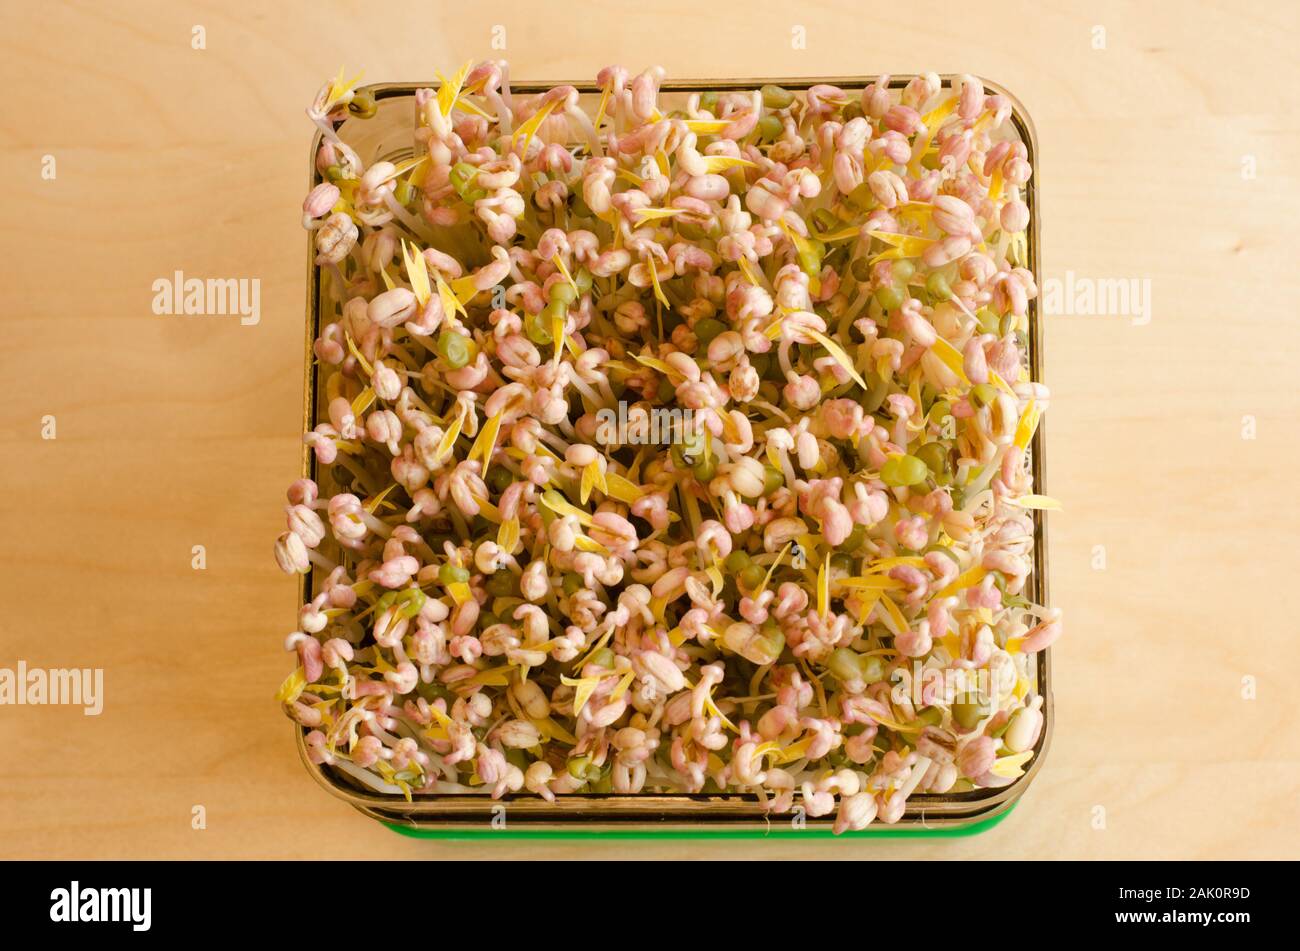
x,y
175,432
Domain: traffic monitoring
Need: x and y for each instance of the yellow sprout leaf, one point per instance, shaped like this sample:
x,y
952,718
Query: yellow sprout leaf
x,y
951,358
450,302
794,751
460,592
389,284
1010,767
564,271
508,535
884,564
604,104
621,688
557,338
292,687
529,128
707,126
654,279
464,290
552,730
557,503
363,401
895,614
418,273
630,177
838,354
967,579
450,436
449,91
1041,502
721,163
824,586
352,347
910,244
488,510
932,120
654,214
621,489
583,543
584,687
593,477
715,576
712,707
655,363
1028,425
464,105
747,268
843,234
492,677
873,583
372,505
339,88
869,598
486,442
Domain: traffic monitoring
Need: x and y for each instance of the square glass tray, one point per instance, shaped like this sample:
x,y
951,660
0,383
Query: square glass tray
x,y
387,136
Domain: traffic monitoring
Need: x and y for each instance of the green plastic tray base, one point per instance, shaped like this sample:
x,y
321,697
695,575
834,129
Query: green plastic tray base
x,y
671,835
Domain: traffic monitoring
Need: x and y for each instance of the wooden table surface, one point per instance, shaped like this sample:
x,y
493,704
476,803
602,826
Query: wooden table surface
x,y
1169,155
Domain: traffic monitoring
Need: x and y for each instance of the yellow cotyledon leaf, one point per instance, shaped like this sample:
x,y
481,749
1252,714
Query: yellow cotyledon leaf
x,y
417,272
583,543
1011,767
621,489
378,500
352,348
721,163
464,289
549,728
932,120
1041,502
557,503
292,687
564,271
530,127
951,358
1028,425
492,677
824,586
654,214
486,442
838,354
747,268
449,91
584,687
707,126
654,279
655,363
874,583
508,535
363,401
843,234
895,614
451,435
450,302
621,688
884,564
967,579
